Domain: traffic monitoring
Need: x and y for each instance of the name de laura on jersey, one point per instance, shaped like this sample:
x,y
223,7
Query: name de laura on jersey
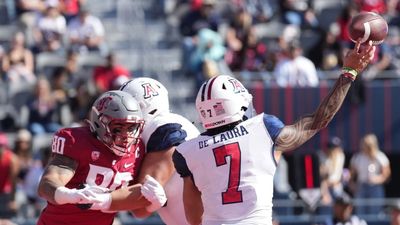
x,y
235,132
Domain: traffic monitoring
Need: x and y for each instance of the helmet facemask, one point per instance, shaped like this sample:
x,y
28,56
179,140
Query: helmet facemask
x,y
117,121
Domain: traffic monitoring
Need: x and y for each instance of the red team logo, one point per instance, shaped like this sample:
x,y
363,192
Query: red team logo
x,y
237,86
95,155
103,103
149,91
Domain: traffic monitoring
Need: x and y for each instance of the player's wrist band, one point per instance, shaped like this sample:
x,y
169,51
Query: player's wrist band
x,y
349,73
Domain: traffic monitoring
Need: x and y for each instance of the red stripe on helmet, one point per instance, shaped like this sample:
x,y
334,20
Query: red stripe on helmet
x,y
209,88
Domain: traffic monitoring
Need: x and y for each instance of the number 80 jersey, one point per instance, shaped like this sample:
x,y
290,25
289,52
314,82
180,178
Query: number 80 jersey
x,y
234,171
97,165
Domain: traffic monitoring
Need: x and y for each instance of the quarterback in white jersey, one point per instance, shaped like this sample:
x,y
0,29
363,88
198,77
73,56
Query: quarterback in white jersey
x,y
228,170
251,164
163,130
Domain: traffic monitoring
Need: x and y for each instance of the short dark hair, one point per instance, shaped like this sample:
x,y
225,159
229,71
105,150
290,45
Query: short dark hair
x,y
335,142
343,199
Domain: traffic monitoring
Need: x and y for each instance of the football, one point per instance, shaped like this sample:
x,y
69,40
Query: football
x,y
368,26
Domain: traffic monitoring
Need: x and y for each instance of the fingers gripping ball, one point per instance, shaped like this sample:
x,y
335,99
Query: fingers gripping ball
x,y
368,26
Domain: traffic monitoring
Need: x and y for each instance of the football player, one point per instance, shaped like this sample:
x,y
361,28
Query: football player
x,y
88,161
162,132
228,170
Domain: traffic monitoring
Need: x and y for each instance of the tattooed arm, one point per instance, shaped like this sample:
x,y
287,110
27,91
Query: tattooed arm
x,y
293,136
58,173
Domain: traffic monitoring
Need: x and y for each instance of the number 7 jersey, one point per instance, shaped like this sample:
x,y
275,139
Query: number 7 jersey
x,y
234,171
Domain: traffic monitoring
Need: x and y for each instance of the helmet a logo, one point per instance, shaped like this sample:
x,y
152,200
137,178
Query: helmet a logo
x,y
149,91
103,103
237,86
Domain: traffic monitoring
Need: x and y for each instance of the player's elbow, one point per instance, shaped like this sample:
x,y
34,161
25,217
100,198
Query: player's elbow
x,y
140,213
193,217
40,189
193,220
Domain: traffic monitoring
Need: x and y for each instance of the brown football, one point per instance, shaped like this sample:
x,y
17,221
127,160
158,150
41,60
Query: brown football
x,y
368,26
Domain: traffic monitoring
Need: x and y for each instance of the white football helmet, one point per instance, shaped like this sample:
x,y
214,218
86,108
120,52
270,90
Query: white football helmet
x,y
151,95
116,107
222,100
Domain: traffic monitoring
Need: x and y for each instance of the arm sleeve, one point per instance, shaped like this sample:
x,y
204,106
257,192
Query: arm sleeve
x,y
180,165
166,136
273,125
63,144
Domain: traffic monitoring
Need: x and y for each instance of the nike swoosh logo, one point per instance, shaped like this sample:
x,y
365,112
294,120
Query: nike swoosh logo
x,y
126,165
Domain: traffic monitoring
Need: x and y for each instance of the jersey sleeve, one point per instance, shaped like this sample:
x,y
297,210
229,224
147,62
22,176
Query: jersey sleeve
x,y
166,136
273,125
63,144
180,164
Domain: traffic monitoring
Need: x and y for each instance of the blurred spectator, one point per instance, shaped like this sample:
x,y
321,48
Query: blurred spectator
x,y
23,151
236,35
9,167
31,182
395,213
244,52
326,54
44,111
343,21
289,34
71,68
2,54
202,17
59,84
70,8
331,162
393,41
343,212
282,188
377,6
278,47
105,76
199,18
18,64
261,10
382,61
86,32
27,11
50,29
393,12
255,54
210,48
299,13
370,169
295,70
81,102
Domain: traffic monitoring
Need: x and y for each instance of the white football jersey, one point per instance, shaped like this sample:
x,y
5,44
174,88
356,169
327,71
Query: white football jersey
x,y
234,171
173,213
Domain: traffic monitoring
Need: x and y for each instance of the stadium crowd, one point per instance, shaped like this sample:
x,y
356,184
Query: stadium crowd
x,y
57,62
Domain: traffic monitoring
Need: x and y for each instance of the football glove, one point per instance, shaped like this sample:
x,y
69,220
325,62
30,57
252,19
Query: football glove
x,y
154,193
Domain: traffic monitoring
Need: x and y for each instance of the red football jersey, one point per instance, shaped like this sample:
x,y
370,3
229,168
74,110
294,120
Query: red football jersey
x,y
97,165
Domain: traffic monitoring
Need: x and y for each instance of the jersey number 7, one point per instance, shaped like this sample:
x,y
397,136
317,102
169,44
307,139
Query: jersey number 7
x,y
232,194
